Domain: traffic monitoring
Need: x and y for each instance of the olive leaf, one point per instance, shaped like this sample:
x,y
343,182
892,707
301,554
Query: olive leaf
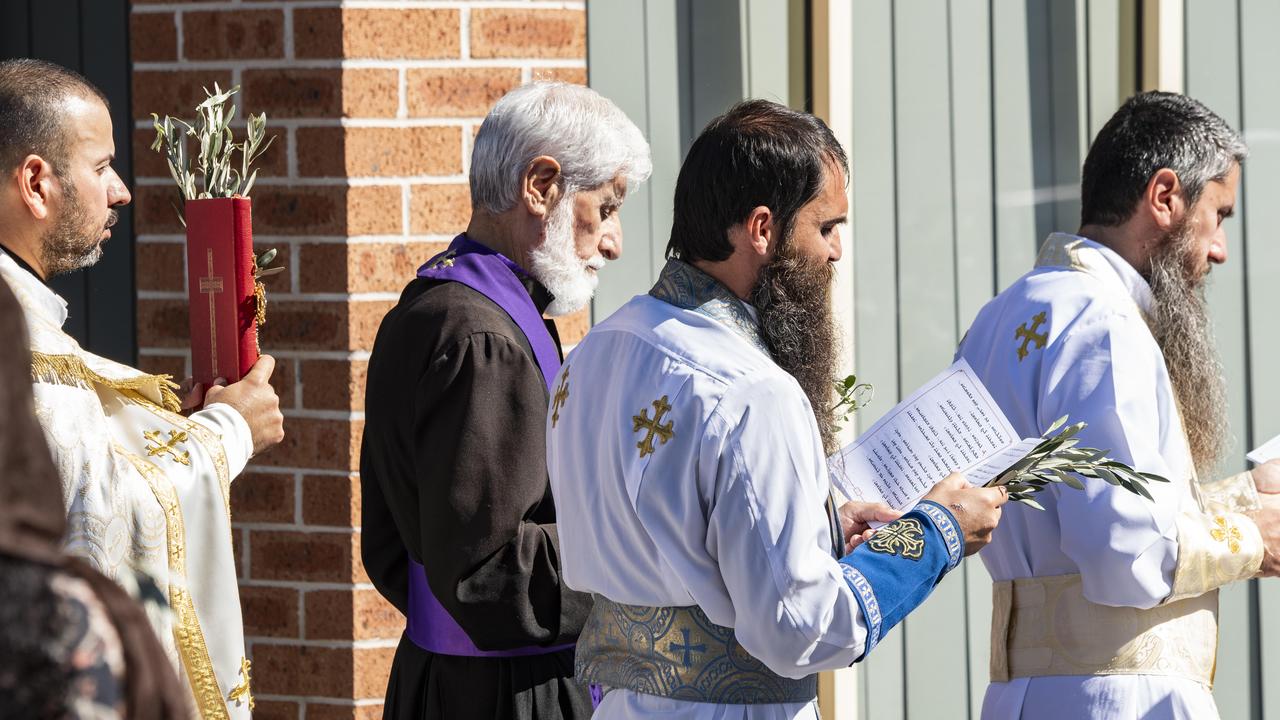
x,y
1059,459
211,171
851,396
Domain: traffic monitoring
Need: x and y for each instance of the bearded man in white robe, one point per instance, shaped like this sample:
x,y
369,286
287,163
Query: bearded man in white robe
x,y
146,487
1106,605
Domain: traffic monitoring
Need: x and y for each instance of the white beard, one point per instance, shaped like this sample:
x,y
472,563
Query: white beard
x,y
555,264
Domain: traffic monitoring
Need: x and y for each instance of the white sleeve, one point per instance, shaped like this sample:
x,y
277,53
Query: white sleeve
x,y
237,440
770,534
1105,373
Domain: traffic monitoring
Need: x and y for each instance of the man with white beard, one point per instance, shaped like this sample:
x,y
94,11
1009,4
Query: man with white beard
x,y
458,523
1105,606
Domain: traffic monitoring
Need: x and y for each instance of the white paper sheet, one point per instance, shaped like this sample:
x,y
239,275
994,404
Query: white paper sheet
x,y
950,424
1270,450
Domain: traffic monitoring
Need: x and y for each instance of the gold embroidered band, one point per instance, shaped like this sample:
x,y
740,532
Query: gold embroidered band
x,y
1214,549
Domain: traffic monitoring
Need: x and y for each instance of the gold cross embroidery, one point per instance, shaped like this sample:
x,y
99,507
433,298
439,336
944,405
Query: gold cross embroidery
x,y
444,261
212,285
240,693
167,447
1029,335
902,537
562,394
654,426
1227,533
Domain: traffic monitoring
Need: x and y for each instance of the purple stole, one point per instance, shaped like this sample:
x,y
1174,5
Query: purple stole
x,y
429,625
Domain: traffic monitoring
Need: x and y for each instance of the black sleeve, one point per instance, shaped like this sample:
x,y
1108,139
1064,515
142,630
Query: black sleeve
x,y
381,549
480,447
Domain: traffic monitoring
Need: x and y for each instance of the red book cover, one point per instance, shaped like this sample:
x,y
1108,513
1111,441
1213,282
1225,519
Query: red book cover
x,y
220,285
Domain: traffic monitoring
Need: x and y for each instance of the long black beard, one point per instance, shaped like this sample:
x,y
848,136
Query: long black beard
x,y
793,299
1183,330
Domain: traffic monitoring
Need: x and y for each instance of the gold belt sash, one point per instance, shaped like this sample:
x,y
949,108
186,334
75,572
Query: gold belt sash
x,y
1044,626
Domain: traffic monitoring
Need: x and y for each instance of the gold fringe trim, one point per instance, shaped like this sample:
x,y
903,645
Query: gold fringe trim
x,y
71,370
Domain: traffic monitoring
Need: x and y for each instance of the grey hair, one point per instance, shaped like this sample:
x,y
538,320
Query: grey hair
x,y
1150,132
585,132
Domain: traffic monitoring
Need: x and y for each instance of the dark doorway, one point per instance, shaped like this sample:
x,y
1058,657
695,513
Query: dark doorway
x,y
92,37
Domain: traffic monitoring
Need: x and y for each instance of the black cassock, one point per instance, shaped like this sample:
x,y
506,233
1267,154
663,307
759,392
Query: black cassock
x,y
453,471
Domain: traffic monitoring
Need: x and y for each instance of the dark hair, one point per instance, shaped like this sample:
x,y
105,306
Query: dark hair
x,y
758,153
31,97
1150,132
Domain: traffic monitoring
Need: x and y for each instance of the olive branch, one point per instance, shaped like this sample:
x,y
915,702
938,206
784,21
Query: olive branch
x,y
851,396
1059,459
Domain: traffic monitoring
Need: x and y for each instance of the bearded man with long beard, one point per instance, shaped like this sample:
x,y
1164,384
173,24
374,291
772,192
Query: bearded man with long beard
x,y
687,453
459,528
1105,606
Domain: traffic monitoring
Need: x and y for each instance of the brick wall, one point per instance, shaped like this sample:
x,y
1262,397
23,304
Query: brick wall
x,y
374,105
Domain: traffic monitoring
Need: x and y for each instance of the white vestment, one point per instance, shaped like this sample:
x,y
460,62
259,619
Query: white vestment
x,y
1070,338
146,489
727,512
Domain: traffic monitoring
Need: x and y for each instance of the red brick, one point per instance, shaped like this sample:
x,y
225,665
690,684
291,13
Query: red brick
x,y
315,443
322,93
331,500
237,551
153,37
163,324
173,92
333,384
362,267
327,711
576,76
300,670
439,209
174,366
376,33
323,325
304,556
262,497
269,611
364,210
149,163
156,210
513,33
243,34
284,380
457,92
351,614
275,709
366,152
160,266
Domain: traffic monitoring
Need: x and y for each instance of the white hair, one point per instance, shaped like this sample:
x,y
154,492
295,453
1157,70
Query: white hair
x,y
585,132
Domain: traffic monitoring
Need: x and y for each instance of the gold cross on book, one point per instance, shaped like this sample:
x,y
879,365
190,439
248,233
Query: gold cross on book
x,y
167,447
212,285
653,427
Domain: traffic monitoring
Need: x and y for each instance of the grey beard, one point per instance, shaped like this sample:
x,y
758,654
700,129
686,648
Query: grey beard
x,y
63,248
1182,328
793,300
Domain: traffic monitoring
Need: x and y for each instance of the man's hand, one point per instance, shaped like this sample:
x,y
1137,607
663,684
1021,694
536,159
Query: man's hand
x,y
1268,521
192,393
856,519
1267,476
256,401
977,509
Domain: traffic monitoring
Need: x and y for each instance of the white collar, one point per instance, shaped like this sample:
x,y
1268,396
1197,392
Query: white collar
x,y
1081,253
34,295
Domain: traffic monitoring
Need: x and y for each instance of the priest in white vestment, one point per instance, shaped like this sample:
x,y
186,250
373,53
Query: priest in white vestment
x,y
1106,603
146,488
686,447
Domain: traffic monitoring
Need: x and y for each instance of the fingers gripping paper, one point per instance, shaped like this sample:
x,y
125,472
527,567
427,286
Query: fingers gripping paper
x,y
951,424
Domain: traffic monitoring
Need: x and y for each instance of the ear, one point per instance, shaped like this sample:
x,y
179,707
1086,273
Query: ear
x,y
1163,199
759,227
539,186
35,185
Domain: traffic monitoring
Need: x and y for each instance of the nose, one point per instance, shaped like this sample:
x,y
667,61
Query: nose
x,y
611,245
1218,250
836,248
117,192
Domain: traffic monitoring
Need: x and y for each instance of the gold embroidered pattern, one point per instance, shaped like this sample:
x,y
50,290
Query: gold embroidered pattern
x,y
211,441
186,627
1029,335
904,538
240,694
562,394
1227,533
444,261
653,427
161,447
70,370
212,285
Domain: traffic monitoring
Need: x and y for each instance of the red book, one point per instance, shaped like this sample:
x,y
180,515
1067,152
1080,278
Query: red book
x,y
220,285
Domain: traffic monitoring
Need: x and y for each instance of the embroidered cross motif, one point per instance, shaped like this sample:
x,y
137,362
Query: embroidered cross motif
x,y
212,285
562,394
1227,533
686,648
167,447
240,693
902,537
444,261
1029,335
654,426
